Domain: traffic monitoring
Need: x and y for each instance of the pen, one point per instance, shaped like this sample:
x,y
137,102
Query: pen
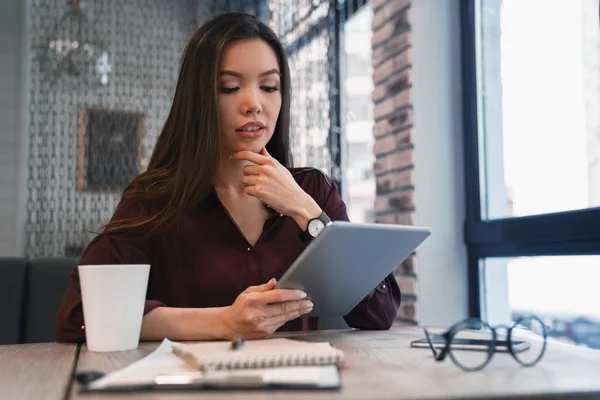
x,y
237,342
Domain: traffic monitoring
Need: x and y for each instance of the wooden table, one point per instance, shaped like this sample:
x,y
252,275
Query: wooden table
x,y
384,366
35,371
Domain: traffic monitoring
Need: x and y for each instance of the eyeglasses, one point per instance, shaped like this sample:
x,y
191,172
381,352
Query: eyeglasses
x,y
471,343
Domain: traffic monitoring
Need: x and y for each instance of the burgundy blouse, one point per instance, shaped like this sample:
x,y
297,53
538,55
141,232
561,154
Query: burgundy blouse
x,y
205,261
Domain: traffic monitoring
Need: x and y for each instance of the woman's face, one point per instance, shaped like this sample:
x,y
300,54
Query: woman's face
x,y
249,95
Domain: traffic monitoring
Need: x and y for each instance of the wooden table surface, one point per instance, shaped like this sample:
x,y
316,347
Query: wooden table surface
x,y
35,371
384,366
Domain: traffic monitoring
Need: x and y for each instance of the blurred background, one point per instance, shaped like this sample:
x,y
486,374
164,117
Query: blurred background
x,y
477,118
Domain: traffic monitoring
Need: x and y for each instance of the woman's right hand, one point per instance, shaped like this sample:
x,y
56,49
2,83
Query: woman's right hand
x,y
260,310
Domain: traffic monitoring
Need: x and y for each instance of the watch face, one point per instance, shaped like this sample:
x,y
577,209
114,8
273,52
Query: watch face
x,y
315,227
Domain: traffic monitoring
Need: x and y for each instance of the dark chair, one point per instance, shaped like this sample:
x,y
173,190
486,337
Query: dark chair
x,y
46,283
12,285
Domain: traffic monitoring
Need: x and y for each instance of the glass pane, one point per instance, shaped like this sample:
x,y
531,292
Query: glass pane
x,y
357,111
538,106
562,291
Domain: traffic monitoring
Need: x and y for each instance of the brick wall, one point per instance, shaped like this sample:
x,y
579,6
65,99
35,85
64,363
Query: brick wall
x,y
393,131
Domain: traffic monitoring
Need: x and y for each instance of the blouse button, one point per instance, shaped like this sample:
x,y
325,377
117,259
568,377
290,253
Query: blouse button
x,y
249,248
383,286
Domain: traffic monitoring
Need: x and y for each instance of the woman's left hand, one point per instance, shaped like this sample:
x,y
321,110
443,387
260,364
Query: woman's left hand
x,y
275,186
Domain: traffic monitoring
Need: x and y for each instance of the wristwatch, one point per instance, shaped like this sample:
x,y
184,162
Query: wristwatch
x,y
314,227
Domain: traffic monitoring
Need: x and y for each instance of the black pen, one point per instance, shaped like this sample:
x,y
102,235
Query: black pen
x,y
237,342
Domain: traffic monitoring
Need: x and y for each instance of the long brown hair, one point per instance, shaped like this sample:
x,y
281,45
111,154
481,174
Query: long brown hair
x,y
184,162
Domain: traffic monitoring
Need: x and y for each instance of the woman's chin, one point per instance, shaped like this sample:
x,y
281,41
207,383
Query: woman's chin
x,y
254,147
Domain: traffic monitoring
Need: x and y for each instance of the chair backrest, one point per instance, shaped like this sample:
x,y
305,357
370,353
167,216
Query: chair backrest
x,y
12,284
46,283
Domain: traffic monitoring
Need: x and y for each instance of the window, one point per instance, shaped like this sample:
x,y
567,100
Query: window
x,y
531,76
561,290
358,64
357,112
538,93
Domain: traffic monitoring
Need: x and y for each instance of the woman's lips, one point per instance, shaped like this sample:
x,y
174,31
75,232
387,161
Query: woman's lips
x,y
251,134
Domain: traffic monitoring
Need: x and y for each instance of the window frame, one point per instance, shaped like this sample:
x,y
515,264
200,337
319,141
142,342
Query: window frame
x,y
575,232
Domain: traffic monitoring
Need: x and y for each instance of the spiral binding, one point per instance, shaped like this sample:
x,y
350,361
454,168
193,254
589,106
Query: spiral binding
x,y
282,360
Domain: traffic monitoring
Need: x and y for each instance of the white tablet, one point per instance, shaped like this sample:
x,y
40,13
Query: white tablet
x,y
348,260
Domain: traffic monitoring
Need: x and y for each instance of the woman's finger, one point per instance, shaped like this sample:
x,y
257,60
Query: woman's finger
x,y
250,180
272,323
252,170
278,296
251,191
273,310
251,156
261,288
275,322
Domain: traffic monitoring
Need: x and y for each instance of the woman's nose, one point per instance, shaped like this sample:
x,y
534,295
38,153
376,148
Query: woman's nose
x,y
252,110
251,103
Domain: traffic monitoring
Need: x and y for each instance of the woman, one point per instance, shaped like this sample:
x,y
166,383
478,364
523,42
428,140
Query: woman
x,y
219,211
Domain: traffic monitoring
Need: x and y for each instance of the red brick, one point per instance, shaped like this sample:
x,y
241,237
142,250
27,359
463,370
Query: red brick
x,y
398,22
380,205
391,46
408,285
394,64
384,13
388,106
401,201
396,82
404,219
398,201
394,181
382,71
386,219
385,145
396,219
400,62
390,143
375,4
401,159
399,120
408,266
408,310
379,92
382,34
400,82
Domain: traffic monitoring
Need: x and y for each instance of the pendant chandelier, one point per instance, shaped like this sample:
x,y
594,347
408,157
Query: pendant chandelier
x,y
75,50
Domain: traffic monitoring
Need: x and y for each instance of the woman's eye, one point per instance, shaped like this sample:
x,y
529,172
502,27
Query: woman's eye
x,y
228,90
270,89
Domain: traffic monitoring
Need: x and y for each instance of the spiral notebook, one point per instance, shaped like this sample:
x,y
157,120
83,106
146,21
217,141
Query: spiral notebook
x,y
258,354
163,370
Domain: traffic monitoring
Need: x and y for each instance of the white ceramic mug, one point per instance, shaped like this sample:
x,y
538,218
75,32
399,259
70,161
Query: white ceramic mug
x,y
113,305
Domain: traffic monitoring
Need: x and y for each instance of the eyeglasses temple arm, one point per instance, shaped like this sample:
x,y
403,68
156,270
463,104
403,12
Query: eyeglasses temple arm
x,y
439,356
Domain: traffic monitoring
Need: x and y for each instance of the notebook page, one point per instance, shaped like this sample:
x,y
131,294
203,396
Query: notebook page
x,y
258,353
